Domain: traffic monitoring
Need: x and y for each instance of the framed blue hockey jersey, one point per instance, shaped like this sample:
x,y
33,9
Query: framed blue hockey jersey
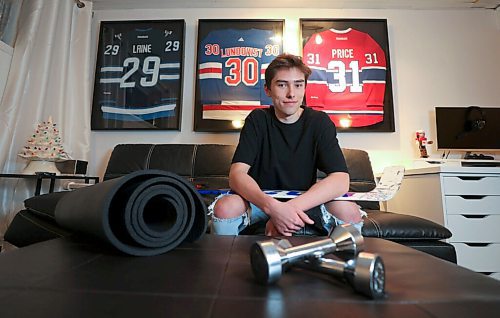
x,y
138,75
232,58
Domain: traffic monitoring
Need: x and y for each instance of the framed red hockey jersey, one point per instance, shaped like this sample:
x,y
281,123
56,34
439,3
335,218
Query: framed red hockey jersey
x,y
232,58
351,77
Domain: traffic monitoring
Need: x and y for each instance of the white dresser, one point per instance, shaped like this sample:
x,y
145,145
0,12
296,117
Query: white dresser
x,y
466,200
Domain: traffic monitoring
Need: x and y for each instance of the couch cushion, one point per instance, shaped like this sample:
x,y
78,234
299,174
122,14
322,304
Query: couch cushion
x,y
176,158
213,160
360,170
438,249
44,205
28,228
361,175
127,158
402,227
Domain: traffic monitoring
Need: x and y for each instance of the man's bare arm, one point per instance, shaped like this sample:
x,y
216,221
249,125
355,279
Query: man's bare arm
x,y
241,183
334,185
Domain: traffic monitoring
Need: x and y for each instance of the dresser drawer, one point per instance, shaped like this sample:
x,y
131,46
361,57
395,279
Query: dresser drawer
x,y
483,205
471,185
479,258
476,229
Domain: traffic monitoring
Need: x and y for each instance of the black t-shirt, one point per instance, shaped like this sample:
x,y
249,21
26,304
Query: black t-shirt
x,y
287,156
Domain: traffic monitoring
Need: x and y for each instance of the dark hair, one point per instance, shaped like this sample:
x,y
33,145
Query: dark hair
x,y
287,61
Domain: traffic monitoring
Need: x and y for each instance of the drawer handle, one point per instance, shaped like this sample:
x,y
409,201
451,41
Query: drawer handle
x,y
470,178
472,197
474,216
477,244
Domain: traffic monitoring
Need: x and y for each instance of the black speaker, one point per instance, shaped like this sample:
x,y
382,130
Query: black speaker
x,y
474,119
72,167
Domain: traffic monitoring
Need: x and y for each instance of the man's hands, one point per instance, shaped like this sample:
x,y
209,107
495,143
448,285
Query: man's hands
x,y
285,219
288,217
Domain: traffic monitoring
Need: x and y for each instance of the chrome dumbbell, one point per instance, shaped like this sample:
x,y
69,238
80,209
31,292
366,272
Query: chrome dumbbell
x,y
365,273
268,258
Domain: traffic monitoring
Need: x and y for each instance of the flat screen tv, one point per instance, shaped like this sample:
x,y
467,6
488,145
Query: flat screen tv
x,y
468,128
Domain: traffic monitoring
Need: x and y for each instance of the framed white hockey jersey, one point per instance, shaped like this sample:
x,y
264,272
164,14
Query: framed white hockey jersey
x,y
232,58
351,76
138,75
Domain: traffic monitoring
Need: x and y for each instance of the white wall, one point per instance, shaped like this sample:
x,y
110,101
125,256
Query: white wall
x,y
438,58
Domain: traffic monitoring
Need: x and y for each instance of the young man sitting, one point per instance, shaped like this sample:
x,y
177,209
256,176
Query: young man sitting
x,y
281,148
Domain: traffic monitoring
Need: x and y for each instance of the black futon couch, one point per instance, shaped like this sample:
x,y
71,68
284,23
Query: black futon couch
x,y
206,166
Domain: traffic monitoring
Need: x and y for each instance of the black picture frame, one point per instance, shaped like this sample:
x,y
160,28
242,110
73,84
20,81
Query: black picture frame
x,y
138,75
337,50
231,59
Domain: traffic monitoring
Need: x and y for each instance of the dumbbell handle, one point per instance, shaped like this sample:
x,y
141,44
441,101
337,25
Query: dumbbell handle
x,y
325,265
366,273
316,249
344,238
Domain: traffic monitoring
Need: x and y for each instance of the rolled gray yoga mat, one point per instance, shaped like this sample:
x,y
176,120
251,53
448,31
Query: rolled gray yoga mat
x,y
145,213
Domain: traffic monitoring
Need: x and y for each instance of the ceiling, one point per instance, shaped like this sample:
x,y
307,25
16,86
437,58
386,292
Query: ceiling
x,y
332,4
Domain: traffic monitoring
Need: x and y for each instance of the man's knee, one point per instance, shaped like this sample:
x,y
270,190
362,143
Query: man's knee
x,y
229,206
344,210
